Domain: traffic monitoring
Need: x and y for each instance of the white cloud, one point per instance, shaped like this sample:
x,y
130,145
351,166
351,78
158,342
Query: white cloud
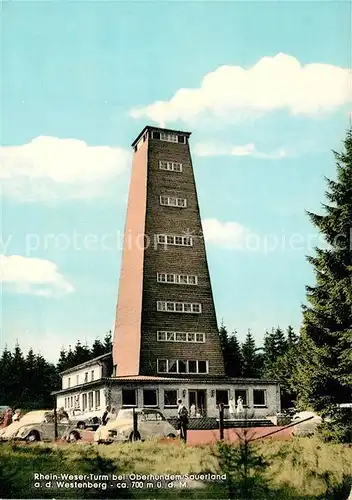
x,y
52,168
231,235
211,149
273,83
32,276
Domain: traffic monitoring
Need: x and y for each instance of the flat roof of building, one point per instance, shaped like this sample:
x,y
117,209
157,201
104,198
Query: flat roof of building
x,y
159,129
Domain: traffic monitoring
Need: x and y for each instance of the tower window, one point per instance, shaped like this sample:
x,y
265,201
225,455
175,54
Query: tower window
x,y
185,241
182,366
171,166
177,279
168,137
179,307
172,201
166,336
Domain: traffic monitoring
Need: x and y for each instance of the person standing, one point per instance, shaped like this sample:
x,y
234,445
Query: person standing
x,y
7,418
17,415
111,415
104,418
232,408
239,405
182,414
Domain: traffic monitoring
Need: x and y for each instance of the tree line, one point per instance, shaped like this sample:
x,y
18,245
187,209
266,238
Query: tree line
x,y
28,379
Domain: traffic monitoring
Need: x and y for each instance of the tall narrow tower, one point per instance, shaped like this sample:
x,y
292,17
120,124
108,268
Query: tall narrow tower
x,y
165,319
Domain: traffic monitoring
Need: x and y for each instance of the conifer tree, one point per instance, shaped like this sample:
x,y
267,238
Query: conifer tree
x,y
108,342
62,363
325,365
291,337
250,357
97,349
234,356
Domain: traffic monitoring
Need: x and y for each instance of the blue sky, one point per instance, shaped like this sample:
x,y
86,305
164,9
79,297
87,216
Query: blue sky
x,y
270,99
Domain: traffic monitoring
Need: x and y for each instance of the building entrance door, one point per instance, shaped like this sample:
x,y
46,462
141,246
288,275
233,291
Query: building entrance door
x,y
199,399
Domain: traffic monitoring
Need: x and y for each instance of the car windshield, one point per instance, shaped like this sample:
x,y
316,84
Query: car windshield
x,y
152,415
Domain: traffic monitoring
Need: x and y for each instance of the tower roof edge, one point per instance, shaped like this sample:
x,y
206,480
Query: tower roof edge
x,y
158,129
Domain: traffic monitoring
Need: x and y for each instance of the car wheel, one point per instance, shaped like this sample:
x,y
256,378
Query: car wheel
x,y
32,437
81,425
73,437
135,436
171,436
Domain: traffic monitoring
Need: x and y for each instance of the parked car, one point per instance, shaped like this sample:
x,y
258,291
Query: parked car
x,y
304,426
150,423
86,423
39,426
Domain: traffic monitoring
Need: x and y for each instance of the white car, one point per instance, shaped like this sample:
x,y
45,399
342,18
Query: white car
x,y
38,426
150,424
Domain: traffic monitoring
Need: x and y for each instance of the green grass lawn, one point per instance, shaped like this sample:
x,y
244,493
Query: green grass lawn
x,y
303,468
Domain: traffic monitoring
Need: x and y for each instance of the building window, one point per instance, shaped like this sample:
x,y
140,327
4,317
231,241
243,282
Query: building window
x,y
177,279
178,307
259,397
84,401
171,166
68,382
222,397
129,397
165,336
86,377
170,398
173,201
90,401
192,366
92,375
162,366
182,366
180,241
77,379
150,397
202,367
243,394
168,137
97,400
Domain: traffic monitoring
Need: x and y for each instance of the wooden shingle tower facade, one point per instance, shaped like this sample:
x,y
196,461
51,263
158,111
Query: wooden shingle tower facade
x,y
165,319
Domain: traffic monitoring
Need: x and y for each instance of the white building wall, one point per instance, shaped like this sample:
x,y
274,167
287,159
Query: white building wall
x,y
77,377
271,404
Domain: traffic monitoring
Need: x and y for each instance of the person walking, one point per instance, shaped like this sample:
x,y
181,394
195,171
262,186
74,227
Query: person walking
x,y
182,415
